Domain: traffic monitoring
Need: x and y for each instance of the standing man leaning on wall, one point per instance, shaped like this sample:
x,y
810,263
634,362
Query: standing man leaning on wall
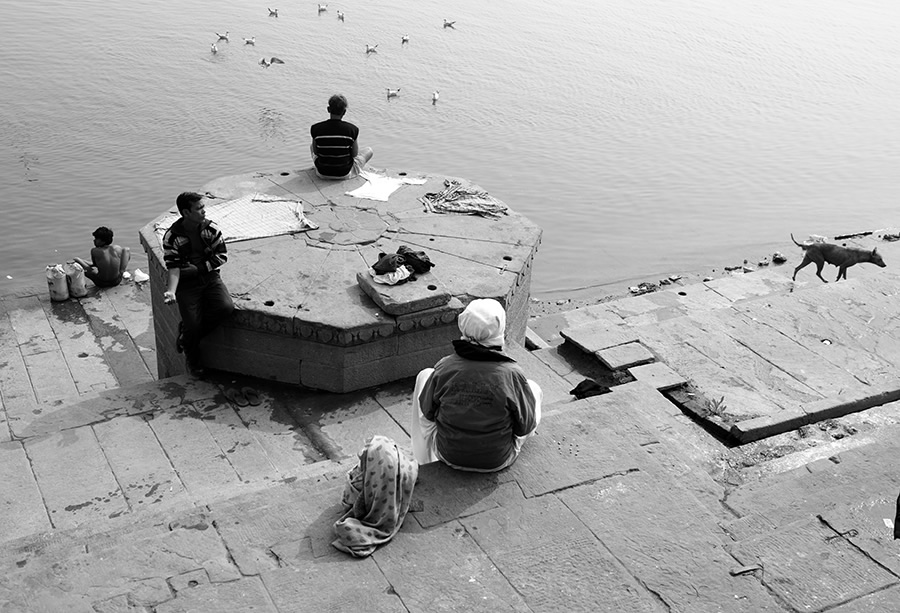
x,y
334,149
193,250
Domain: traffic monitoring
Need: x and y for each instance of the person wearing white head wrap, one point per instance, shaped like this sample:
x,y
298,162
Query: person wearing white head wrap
x,y
475,408
483,322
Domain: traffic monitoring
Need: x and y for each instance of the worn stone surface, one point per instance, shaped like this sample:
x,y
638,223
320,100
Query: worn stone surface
x,y
868,525
624,356
884,601
245,595
660,537
571,449
554,561
658,375
812,567
21,504
443,494
461,578
311,587
75,478
593,337
140,464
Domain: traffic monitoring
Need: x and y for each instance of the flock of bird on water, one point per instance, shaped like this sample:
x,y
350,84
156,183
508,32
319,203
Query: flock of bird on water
x,y
265,63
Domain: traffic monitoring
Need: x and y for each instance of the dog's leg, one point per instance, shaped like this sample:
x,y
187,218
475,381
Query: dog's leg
x,y
806,261
842,272
819,267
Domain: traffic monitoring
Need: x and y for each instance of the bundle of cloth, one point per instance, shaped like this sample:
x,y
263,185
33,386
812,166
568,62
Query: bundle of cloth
x,y
376,497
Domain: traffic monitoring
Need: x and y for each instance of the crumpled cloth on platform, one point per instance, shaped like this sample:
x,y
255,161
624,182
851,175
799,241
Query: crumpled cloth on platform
x,y
377,496
250,216
455,198
391,278
379,187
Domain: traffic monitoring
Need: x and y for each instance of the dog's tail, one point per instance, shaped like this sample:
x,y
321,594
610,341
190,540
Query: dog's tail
x,y
801,245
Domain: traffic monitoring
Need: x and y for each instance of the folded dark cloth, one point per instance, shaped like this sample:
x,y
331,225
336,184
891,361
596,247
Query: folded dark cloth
x,y
588,388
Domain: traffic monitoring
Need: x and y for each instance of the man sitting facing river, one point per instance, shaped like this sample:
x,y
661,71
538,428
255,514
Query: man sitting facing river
x,y
334,149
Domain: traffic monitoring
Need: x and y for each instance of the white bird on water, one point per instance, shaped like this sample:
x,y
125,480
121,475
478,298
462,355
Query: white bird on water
x,y
434,96
273,12
323,8
370,49
213,49
449,24
340,15
404,39
392,93
223,36
266,63
250,41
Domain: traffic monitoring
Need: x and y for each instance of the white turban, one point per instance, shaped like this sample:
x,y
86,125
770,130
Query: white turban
x,y
483,322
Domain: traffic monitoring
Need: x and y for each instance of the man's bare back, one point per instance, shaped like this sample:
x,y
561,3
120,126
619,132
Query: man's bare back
x,y
109,263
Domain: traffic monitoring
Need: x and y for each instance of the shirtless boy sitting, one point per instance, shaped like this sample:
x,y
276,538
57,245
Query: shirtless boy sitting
x,y
109,261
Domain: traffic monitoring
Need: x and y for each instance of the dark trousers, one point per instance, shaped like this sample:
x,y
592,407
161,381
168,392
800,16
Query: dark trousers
x,y
204,303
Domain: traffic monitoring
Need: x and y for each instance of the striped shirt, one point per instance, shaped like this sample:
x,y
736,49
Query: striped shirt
x,y
177,250
333,141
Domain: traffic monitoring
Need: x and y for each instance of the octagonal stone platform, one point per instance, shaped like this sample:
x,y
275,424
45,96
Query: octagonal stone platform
x,y
301,316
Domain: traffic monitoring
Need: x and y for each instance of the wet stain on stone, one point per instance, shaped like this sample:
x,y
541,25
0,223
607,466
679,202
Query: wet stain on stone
x,y
75,507
21,563
115,514
83,354
152,490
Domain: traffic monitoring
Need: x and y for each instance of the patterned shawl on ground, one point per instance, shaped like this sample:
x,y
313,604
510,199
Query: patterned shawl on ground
x,y
376,496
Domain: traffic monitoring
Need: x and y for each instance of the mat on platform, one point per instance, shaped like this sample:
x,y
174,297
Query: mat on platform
x,y
250,216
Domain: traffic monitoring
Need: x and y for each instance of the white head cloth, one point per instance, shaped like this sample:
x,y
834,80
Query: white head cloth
x,y
483,322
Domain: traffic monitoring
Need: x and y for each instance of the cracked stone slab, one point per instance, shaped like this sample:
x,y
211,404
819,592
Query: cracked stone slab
x,y
69,572
571,448
246,594
443,494
312,587
811,567
658,375
21,505
554,561
461,578
656,528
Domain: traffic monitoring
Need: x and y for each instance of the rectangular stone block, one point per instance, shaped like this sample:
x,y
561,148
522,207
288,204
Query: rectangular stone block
x,y
425,292
857,399
658,375
768,425
625,356
595,336
554,561
21,504
810,567
75,478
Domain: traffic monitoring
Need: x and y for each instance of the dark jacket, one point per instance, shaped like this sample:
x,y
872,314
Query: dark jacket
x,y
177,247
480,400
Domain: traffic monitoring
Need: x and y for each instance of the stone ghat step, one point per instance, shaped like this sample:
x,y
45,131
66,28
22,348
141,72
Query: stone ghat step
x,y
597,467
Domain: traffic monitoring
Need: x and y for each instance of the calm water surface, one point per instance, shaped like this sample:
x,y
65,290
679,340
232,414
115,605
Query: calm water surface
x,y
645,136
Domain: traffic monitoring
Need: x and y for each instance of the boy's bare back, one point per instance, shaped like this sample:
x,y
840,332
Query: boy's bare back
x,y
110,262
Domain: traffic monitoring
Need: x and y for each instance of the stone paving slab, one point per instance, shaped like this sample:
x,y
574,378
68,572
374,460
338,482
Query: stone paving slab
x,y
658,538
140,464
76,481
657,375
555,389
593,337
868,525
811,567
461,578
554,561
21,504
443,494
245,594
625,356
572,449
864,473
424,293
81,350
73,573
884,601
312,588
742,287
813,326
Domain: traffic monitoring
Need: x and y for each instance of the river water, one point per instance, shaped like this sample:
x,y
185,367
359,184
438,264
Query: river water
x,y
646,137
